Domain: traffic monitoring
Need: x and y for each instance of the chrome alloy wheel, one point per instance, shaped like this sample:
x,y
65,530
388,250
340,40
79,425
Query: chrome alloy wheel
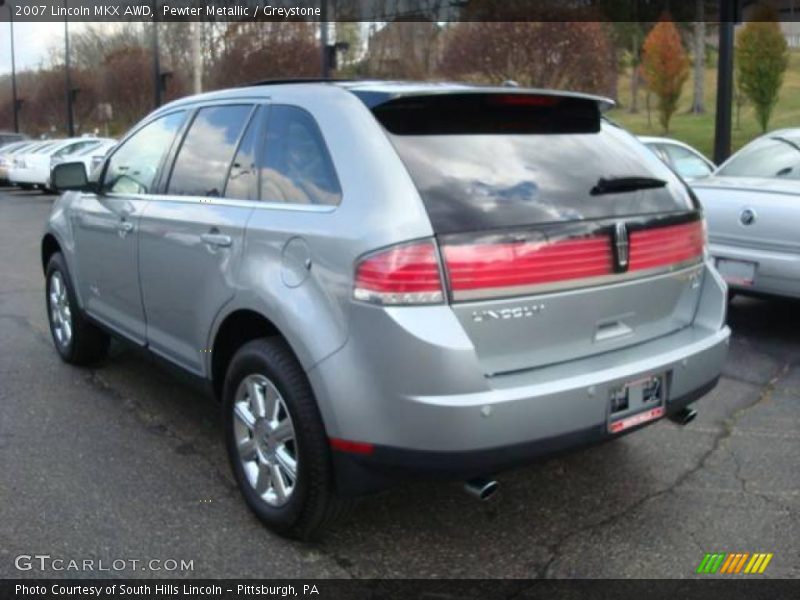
x,y
60,315
265,438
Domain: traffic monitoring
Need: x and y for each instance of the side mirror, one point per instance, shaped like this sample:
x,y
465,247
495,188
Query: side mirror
x,y
70,176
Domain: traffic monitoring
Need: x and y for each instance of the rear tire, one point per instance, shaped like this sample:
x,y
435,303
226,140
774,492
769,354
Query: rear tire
x,y
77,341
271,424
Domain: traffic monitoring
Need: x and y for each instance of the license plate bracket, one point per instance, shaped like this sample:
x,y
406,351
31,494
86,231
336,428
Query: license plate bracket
x,y
637,402
737,272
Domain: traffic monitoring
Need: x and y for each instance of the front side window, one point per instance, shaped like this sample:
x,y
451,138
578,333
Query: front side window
x,y
207,151
765,157
297,168
133,167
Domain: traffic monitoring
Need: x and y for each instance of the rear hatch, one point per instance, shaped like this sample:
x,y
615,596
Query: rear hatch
x,y
560,235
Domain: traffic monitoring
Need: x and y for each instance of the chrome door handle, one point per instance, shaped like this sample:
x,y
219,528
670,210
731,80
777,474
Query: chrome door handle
x,y
217,239
124,227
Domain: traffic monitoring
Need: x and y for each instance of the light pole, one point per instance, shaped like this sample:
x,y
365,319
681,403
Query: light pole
x,y
15,102
156,62
722,129
70,121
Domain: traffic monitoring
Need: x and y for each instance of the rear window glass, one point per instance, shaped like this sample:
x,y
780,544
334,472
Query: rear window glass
x,y
476,181
765,157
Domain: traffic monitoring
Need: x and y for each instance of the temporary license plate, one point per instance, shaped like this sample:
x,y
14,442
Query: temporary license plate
x,y
737,272
636,402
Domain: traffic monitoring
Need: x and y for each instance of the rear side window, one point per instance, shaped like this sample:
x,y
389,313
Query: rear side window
x,y
243,176
133,167
207,150
526,165
296,165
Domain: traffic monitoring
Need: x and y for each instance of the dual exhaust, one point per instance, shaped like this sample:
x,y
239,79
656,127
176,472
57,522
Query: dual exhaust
x,y
684,416
482,489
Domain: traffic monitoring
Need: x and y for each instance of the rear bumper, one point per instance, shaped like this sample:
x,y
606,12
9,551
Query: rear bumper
x,y
777,273
387,466
421,400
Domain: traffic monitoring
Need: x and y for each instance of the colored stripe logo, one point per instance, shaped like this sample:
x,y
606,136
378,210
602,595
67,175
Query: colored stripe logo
x,y
734,563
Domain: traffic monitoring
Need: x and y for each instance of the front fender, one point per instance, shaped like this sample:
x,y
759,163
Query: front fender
x,y
59,227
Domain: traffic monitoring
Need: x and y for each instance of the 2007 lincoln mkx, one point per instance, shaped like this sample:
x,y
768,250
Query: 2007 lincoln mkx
x,y
330,258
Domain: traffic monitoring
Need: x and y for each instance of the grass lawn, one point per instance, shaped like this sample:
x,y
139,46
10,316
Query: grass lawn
x,y
698,130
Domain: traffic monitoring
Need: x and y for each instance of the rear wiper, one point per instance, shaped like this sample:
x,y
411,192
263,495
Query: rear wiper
x,y
625,184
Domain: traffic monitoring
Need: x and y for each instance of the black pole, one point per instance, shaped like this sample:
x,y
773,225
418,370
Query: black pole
x,y
156,64
325,70
13,70
722,133
70,121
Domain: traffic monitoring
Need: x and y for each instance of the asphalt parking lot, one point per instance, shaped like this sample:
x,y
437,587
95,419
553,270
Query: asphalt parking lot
x,y
124,462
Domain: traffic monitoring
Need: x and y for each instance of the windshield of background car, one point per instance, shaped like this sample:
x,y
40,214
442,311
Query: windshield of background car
x,y
765,157
484,161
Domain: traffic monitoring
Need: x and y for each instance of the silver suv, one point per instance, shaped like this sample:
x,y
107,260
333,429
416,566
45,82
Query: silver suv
x,y
381,280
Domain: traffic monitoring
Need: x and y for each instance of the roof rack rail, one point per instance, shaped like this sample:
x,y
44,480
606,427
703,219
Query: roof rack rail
x,y
294,80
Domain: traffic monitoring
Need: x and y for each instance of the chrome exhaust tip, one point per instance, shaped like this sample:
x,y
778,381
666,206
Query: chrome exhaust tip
x,y
480,488
684,416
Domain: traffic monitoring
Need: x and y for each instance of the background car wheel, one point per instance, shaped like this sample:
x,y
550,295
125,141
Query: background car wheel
x,y
77,340
276,441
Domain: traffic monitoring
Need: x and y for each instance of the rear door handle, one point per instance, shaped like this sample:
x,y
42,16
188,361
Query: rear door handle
x,y
216,239
124,227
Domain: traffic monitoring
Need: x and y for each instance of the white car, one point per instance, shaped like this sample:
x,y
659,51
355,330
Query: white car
x,y
33,168
91,156
7,153
684,160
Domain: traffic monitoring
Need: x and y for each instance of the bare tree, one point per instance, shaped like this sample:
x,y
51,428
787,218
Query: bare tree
x,y
566,55
699,27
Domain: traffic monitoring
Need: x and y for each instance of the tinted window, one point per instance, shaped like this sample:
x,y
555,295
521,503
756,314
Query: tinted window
x,y
133,167
207,151
686,162
766,157
474,182
243,177
297,167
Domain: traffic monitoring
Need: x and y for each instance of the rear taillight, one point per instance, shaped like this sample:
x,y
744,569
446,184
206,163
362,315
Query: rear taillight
x,y
406,274
666,246
478,270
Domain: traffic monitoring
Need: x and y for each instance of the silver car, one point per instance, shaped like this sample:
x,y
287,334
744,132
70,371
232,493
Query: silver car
x,y
384,280
752,204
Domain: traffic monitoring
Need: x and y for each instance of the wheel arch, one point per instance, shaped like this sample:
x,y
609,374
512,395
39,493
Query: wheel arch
x,y
235,329
50,245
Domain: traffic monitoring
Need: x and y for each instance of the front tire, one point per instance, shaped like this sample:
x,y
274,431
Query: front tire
x,y
77,341
276,441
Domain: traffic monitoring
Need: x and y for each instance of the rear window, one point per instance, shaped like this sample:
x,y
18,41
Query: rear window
x,y
765,157
525,164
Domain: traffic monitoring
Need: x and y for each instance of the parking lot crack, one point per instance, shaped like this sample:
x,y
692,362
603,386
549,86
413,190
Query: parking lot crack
x,y
720,437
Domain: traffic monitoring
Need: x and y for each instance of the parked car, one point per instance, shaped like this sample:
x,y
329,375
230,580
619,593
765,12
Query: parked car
x,y
383,280
7,153
18,167
91,155
688,162
33,168
752,204
10,137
